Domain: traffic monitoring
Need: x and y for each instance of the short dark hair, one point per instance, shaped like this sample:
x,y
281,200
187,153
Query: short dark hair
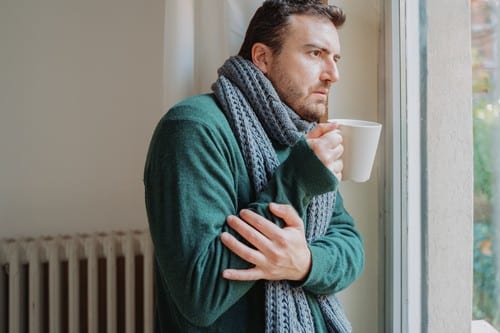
x,y
270,22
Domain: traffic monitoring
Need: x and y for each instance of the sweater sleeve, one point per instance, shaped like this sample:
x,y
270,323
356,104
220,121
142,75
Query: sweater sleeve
x,y
296,181
190,178
337,256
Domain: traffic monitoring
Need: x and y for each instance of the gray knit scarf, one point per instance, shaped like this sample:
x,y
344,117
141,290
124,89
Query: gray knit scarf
x,y
257,116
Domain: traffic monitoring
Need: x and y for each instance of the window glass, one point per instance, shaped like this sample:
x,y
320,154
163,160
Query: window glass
x,y
485,33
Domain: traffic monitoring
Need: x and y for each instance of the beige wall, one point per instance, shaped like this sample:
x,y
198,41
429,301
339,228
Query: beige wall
x,y
356,96
80,92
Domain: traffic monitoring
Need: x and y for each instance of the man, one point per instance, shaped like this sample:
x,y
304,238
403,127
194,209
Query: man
x,y
250,232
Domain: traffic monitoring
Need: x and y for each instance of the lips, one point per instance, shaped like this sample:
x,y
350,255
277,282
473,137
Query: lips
x,y
321,91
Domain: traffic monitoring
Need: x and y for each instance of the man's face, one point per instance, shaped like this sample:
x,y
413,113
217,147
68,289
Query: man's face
x,y
304,70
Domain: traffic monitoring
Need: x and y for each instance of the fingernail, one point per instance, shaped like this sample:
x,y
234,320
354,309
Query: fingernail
x,y
274,206
231,219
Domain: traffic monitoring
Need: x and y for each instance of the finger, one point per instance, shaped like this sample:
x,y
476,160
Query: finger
x,y
241,250
334,138
326,142
287,213
338,152
338,166
339,176
263,225
251,274
329,155
252,235
321,129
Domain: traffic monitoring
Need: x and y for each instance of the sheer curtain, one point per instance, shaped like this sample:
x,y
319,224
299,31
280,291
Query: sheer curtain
x,y
198,36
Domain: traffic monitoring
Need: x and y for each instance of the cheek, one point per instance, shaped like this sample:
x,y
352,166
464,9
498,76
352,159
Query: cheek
x,y
301,70
295,79
302,75
307,75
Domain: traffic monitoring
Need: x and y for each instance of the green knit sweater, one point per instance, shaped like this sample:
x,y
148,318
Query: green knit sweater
x,y
195,176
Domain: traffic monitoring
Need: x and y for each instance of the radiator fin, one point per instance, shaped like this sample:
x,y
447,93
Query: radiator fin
x,y
81,283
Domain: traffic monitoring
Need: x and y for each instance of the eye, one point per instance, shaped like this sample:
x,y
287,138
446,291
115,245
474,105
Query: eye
x,y
315,53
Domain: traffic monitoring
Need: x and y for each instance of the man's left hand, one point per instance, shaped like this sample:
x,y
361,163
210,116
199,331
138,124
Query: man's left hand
x,y
279,253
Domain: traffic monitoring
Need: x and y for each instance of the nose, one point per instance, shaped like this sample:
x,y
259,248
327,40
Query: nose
x,y
330,72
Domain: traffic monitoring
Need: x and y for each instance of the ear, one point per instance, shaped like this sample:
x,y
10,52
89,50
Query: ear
x,y
262,57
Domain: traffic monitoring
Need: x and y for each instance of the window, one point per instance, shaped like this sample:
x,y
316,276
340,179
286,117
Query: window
x,y
431,172
485,38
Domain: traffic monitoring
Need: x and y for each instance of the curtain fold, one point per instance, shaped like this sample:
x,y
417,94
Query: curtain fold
x,y
198,36
178,51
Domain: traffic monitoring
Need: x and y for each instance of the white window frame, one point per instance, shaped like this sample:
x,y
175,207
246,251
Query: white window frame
x,y
424,83
401,106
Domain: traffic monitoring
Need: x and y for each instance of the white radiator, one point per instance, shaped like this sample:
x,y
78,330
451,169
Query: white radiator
x,y
82,283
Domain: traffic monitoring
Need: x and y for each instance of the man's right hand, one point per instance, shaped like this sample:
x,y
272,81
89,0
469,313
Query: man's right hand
x,y
326,143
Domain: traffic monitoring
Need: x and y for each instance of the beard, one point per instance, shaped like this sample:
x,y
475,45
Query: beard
x,y
312,111
301,100
306,105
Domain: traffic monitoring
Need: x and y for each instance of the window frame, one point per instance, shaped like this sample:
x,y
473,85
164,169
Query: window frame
x,y
402,237
425,89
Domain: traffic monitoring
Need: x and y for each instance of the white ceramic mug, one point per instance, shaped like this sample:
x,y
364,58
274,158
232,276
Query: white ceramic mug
x,y
360,140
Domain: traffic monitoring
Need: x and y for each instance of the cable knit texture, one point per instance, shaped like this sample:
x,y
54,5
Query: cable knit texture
x,y
257,116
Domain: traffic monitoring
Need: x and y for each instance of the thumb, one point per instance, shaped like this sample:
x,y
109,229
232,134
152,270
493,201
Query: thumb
x,y
321,129
287,213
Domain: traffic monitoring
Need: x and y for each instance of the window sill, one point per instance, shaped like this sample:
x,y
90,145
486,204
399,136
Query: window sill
x,y
482,326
